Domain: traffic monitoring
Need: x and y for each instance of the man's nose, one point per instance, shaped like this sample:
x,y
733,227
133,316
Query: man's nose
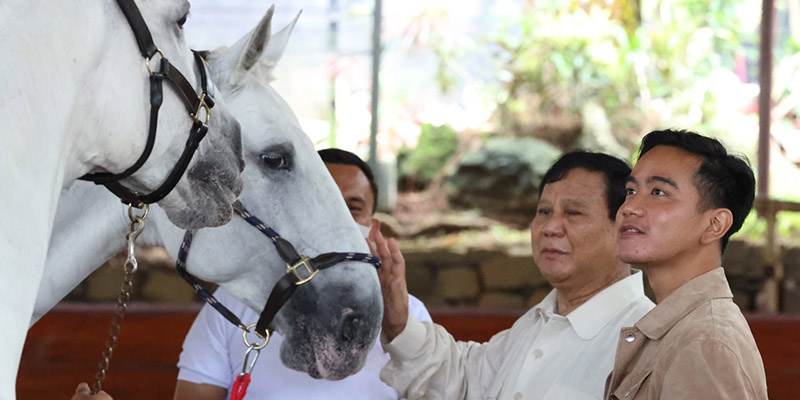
x,y
630,207
553,227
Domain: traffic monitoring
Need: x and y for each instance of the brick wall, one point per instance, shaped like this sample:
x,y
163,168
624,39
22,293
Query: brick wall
x,y
440,277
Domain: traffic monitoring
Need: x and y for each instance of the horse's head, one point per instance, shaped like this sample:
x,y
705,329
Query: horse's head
x,y
332,321
212,181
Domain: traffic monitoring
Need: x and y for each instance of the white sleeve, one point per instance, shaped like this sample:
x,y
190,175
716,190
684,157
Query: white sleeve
x,y
426,362
417,309
206,357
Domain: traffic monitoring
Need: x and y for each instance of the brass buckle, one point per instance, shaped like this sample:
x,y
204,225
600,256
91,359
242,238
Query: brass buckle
x,y
147,61
303,262
202,106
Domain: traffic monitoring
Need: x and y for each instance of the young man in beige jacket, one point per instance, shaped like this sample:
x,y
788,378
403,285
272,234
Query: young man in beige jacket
x,y
685,197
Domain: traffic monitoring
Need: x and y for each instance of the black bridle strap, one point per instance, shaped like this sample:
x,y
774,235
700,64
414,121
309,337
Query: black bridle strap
x,y
190,98
128,196
198,131
143,38
286,285
193,102
156,99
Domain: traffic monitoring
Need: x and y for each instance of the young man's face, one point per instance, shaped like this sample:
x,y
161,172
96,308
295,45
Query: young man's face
x,y
574,242
661,219
356,190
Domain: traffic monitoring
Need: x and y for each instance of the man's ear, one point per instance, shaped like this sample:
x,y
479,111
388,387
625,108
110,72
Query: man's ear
x,y
719,222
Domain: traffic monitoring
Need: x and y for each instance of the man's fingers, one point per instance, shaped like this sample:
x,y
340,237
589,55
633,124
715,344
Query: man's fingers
x,y
83,387
374,226
375,230
394,251
372,249
383,251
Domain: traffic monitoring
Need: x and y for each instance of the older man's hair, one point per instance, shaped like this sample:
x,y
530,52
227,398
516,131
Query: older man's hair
x,y
614,170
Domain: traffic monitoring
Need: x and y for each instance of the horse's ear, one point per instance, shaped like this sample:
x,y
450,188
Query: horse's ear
x,y
231,65
255,43
277,43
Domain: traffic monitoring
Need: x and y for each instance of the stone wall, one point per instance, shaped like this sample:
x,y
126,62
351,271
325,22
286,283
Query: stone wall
x,y
485,278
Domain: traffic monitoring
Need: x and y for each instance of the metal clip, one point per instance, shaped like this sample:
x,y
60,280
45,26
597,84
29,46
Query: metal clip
x,y
248,365
137,226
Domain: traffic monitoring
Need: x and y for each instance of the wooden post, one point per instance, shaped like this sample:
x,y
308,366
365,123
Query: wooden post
x,y
772,270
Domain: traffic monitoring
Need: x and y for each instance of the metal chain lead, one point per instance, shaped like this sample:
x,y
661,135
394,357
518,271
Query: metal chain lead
x,y
129,267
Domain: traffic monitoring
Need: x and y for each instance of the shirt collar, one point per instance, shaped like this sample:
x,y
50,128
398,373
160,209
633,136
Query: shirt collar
x,y
547,307
590,317
711,285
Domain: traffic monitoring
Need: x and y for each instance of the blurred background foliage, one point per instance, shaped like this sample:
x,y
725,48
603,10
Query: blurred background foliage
x,y
599,74
417,168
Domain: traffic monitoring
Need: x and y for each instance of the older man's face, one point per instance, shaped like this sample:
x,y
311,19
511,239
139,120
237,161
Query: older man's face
x,y
574,242
356,190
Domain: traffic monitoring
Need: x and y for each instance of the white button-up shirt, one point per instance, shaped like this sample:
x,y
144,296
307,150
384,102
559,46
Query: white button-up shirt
x,y
544,356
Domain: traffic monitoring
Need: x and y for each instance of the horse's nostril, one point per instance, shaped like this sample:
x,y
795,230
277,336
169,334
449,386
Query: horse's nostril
x,y
352,326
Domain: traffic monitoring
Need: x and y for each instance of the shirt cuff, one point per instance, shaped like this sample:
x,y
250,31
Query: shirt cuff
x,y
408,343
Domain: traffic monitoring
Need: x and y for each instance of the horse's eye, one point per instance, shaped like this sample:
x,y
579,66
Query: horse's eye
x,y
182,21
274,161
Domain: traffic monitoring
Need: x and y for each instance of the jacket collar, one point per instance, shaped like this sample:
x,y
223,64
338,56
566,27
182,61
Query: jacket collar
x,y
703,288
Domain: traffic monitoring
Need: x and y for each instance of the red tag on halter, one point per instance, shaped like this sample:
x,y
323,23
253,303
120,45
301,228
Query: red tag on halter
x,y
239,388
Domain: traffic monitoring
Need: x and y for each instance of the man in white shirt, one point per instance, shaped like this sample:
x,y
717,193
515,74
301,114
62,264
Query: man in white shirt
x,y
213,351
561,349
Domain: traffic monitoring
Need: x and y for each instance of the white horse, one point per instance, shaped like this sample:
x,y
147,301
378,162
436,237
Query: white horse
x,y
75,99
331,322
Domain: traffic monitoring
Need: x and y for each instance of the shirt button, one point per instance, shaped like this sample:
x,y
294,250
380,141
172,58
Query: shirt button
x,y
628,393
538,353
630,337
518,396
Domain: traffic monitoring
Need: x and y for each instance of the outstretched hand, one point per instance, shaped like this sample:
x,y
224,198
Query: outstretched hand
x,y
392,275
84,393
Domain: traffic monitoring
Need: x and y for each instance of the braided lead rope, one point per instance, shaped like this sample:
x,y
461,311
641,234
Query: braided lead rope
x,y
129,268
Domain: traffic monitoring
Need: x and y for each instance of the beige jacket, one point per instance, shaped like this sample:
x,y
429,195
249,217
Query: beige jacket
x,y
694,345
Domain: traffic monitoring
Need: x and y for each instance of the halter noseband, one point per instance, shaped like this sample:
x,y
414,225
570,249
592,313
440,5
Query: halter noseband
x,y
194,105
299,269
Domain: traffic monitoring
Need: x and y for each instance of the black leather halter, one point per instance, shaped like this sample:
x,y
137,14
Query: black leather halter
x,y
299,270
194,105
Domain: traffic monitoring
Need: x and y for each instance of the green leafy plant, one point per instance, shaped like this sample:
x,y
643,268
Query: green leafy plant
x,y
562,55
418,166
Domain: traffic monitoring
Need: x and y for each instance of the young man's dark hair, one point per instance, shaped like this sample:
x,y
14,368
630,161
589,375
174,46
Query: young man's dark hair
x,y
614,170
338,156
723,180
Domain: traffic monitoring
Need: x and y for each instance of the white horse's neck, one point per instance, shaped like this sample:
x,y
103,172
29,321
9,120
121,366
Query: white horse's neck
x,y
39,80
93,228
52,51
